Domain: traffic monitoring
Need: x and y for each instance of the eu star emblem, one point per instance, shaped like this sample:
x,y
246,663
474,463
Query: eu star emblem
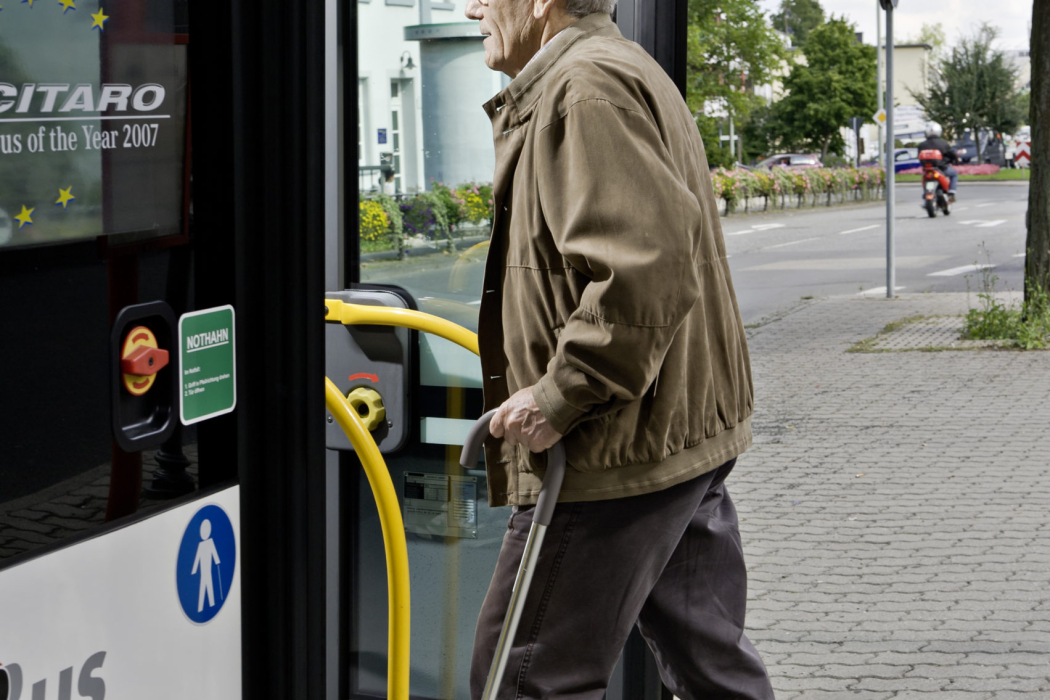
x,y
100,19
30,2
65,196
24,219
67,5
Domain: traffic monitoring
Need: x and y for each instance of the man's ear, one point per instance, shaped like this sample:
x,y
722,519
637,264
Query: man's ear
x,y
541,9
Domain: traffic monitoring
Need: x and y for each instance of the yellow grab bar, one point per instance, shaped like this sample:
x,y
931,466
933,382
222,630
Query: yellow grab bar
x,y
400,628
399,643
359,314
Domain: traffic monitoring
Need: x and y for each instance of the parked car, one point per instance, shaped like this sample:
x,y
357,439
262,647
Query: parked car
x,y
994,152
906,159
790,160
903,159
966,149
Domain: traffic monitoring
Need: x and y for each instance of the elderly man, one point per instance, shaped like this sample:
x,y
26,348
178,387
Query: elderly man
x,y
609,321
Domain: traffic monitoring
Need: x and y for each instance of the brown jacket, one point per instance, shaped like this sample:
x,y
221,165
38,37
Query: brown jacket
x,y
606,286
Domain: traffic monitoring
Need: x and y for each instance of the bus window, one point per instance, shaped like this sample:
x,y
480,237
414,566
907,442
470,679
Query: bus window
x,y
93,217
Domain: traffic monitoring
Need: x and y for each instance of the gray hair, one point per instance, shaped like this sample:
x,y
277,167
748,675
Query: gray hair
x,y
582,8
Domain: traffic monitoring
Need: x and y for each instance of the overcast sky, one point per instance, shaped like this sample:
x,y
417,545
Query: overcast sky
x,y
958,17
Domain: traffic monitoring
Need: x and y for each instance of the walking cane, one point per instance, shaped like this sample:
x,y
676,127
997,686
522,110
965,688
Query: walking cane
x,y
541,518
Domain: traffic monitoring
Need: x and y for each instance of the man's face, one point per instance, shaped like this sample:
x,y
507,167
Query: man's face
x,y
512,34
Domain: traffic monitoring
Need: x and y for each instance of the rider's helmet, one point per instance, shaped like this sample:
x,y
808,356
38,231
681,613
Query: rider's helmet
x,y
933,130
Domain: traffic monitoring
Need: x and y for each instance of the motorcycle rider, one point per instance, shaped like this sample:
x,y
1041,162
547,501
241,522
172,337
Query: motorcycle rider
x,y
935,142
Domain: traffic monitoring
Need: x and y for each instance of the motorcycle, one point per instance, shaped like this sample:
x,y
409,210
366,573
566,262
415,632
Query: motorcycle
x,y
934,184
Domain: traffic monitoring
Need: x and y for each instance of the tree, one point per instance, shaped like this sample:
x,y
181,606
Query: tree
x,y
1037,262
974,88
798,18
731,48
836,83
933,36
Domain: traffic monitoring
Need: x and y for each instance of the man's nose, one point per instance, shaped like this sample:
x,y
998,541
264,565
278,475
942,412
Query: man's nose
x,y
473,9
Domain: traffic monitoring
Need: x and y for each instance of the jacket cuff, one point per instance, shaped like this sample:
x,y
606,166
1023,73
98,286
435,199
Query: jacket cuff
x,y
561,415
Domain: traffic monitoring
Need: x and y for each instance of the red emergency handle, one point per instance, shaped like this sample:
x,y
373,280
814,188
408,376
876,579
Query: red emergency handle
x,y
144,361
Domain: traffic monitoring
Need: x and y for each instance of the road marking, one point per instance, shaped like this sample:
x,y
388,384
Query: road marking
x,y
989,204
961,270
781,245
858,230
755,228
911,262
878,291
984,223
961,208
1019,255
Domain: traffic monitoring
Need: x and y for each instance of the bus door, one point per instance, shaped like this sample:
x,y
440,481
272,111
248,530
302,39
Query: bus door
x,y
423,196
162,477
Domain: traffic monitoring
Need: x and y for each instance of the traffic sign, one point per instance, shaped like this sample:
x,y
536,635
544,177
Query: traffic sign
x,y
880,116
207,364
888,4
1023,156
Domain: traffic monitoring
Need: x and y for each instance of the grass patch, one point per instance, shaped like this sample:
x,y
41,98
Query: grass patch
x,y
383,244
868,344
1004,174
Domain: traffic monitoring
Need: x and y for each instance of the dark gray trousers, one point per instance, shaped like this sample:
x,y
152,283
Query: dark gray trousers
x,y
670,562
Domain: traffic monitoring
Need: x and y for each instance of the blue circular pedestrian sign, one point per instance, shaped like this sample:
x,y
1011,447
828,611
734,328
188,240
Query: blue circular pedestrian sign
x,y
205,566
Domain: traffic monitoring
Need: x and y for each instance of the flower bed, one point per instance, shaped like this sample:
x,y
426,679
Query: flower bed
x,y
740,184
387,223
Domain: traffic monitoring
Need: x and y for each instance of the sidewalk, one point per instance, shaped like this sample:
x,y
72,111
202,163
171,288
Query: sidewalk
x,y
895,510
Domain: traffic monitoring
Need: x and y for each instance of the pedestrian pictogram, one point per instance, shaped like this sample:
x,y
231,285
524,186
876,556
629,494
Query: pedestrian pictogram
x,y
205,565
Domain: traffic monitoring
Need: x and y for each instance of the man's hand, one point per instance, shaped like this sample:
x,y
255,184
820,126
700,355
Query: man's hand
x,y
519,420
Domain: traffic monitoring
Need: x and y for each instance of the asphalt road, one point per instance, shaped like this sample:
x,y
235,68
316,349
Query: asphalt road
x,y
777,258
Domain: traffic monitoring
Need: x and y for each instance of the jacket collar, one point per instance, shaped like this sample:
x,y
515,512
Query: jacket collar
x,y
526,87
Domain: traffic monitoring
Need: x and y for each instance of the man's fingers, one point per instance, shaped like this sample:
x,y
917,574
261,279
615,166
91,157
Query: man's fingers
x,y
496,424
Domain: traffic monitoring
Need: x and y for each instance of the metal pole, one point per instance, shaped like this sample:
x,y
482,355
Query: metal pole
x,y
878,69
732,139
891,272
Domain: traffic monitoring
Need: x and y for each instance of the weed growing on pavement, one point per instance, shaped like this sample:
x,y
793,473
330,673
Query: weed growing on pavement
x,y
1027,324
869,344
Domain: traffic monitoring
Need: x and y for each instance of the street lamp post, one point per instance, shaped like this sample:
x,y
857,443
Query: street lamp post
x,y
891,272
878,72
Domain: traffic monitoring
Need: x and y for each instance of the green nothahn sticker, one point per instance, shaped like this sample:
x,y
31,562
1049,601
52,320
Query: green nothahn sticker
x,y
207,368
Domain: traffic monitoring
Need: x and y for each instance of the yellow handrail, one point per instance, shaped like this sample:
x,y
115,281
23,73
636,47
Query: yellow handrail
x,y
358,314
400,606
394,542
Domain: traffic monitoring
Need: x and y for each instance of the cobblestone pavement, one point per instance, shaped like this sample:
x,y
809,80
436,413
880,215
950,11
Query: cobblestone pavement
x,y
895,510
68,508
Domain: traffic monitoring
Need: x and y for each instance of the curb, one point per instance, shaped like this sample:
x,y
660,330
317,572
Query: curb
x,y
457,244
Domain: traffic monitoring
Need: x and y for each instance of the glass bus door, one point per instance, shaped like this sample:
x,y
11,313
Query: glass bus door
x,y
429,238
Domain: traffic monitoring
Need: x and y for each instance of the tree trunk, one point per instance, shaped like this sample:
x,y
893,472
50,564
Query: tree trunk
x,y
1037,262
824,149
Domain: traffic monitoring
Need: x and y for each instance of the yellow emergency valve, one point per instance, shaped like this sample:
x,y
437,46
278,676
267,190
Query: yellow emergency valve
x,y
140,360
369,405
